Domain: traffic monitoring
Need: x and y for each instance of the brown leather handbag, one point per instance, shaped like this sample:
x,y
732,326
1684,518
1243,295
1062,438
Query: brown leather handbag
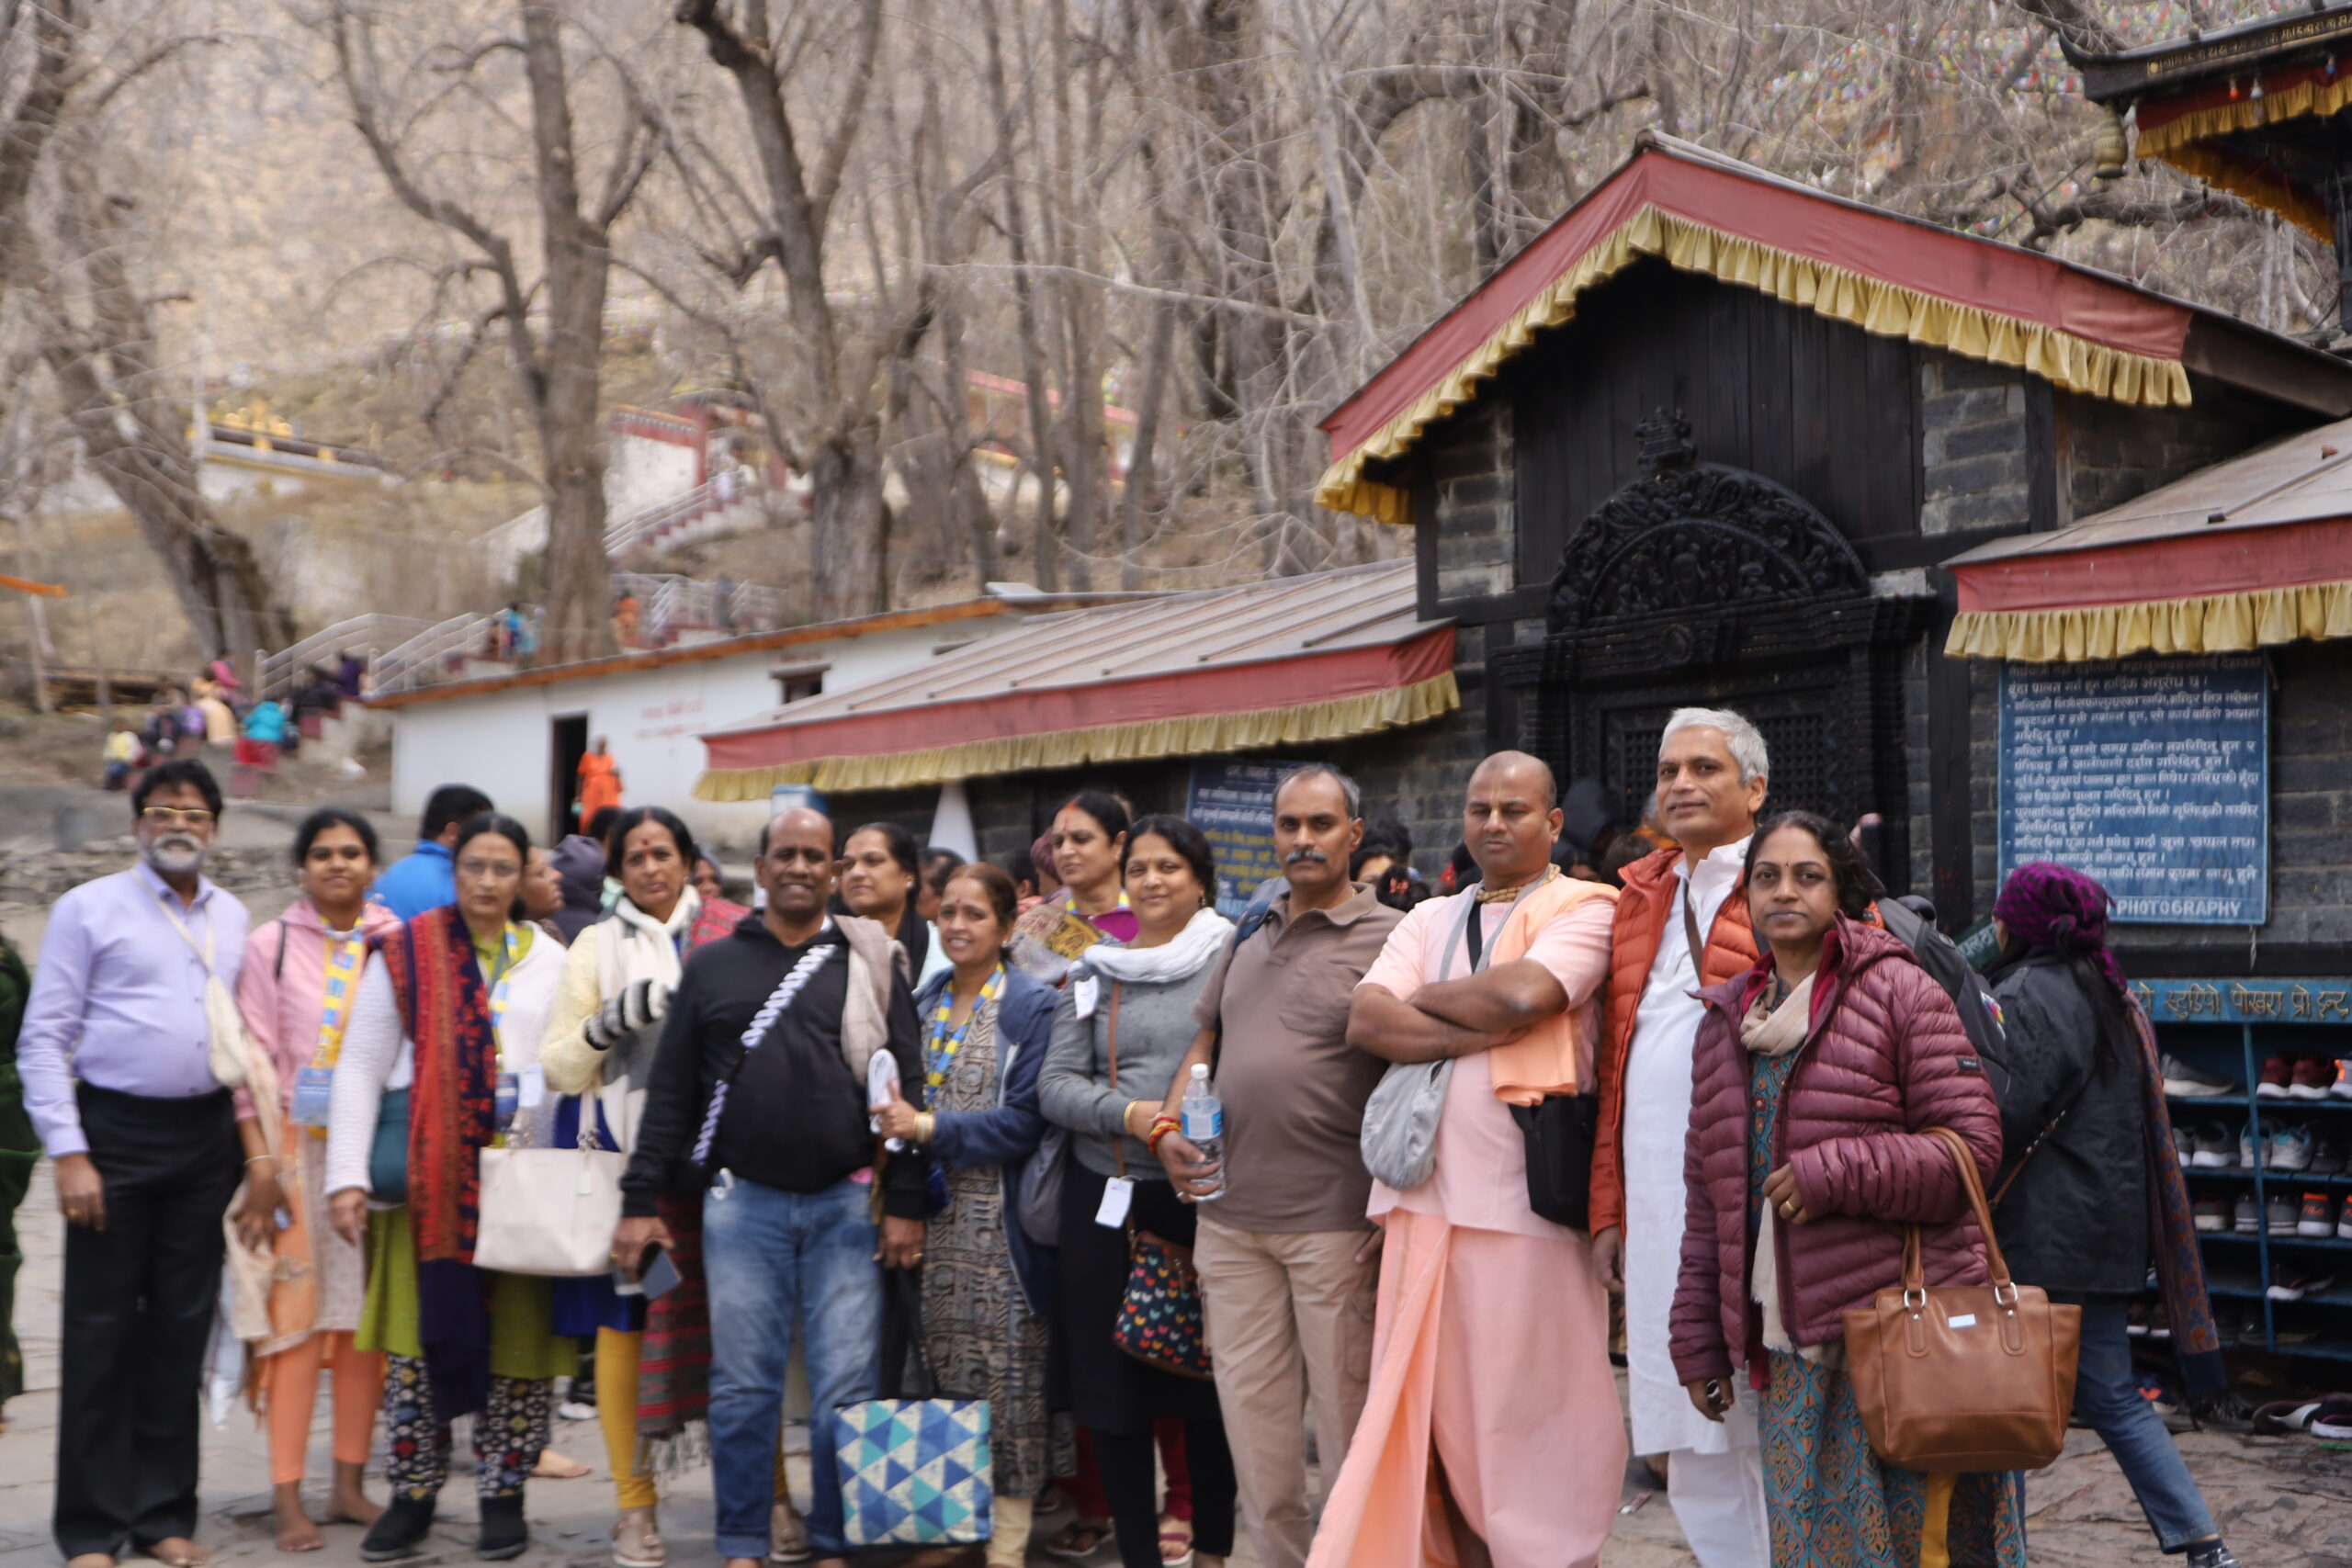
x,y
1960,1378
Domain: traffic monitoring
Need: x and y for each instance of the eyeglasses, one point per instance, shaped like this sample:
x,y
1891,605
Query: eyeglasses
x,y
175,815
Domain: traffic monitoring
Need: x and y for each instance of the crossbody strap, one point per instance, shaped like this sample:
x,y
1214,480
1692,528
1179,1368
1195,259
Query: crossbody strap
x,y
754,1032
1690,931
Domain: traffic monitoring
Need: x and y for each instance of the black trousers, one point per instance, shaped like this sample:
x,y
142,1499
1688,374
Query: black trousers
x,y
139,1299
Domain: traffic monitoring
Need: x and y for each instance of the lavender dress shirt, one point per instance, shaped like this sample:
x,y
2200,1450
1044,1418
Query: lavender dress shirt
x,y
117,998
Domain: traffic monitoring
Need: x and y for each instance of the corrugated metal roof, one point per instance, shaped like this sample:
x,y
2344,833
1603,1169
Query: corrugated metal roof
x,y
1364,606
2305,477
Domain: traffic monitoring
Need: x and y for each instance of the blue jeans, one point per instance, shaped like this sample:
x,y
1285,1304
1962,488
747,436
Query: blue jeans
x,y
771,1257
2107,1397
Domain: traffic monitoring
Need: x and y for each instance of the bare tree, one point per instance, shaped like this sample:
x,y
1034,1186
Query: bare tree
x,y
553,323
70,258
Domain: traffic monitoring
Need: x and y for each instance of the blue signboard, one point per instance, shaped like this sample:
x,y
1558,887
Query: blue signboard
x,y
1233,803
2245,1001
2151,774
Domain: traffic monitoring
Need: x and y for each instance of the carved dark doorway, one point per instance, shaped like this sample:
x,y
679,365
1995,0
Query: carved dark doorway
x,y
1709,585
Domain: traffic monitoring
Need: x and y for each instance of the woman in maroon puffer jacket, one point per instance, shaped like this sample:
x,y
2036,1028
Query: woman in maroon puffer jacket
x,y
1814,1077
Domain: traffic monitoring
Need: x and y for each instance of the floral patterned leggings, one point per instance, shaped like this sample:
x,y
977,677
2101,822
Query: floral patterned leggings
x,y
508,1434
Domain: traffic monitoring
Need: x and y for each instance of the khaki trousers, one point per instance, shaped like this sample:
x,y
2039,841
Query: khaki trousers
x,y
1290,1318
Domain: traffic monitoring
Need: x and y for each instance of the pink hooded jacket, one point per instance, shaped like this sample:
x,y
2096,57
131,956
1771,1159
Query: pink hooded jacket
x,y
280,998
1885,1057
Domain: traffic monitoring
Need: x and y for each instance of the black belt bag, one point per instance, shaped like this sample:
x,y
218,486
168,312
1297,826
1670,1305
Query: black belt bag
x,y
1559,1132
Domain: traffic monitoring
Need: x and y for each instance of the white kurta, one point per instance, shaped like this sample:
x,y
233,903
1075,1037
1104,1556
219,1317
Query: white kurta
x,y
1658,1119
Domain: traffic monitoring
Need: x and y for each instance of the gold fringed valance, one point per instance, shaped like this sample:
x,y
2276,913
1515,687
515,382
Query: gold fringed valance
x,y
1335,718
2263,186
2221,622
1886,310
2315,96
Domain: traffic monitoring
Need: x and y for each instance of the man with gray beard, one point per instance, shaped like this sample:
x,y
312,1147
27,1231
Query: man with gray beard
x,y
1287,1258
115,1057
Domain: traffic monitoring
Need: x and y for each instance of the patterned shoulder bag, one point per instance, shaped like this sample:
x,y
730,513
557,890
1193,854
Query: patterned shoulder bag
x,y
1161,1320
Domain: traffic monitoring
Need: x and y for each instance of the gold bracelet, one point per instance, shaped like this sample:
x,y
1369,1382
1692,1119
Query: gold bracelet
x,y
257,1160
924,1125
1127,1117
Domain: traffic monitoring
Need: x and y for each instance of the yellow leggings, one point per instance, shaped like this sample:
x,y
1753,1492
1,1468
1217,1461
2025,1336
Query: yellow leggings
x,y
616,1358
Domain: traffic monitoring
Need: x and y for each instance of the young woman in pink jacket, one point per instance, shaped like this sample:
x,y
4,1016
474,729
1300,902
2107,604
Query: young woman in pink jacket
x,y
301,974
1815,1076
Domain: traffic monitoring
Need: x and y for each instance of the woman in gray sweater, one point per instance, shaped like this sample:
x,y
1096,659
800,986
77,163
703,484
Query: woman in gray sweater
x,y
1123,1022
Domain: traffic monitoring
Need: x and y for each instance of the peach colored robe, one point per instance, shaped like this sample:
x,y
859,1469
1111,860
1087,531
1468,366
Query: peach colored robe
x,y
1491,1352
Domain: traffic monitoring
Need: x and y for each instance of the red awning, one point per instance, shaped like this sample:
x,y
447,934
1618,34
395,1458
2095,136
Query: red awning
x,y
1888,274
1290,661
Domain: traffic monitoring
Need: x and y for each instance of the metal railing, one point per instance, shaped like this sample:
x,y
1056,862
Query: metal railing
x,y
419,661
280,674
668,604
645,528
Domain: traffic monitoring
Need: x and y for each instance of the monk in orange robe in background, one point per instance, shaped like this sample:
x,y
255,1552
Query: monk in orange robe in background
x,y
600,783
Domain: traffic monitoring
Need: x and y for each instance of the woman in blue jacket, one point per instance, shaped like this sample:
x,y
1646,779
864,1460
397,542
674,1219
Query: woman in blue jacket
x,y
984,1285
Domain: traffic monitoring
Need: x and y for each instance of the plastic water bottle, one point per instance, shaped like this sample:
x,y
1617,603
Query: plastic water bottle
x,y
1204,1124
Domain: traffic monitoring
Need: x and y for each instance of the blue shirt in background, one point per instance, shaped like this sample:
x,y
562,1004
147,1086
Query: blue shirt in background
x,y
424,878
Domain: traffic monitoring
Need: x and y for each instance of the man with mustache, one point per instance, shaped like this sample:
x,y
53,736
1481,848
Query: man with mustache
x,y
1490,1432
1284,1258
147,1152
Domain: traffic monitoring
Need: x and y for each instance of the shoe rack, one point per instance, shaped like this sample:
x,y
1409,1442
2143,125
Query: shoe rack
x,y
2229,1029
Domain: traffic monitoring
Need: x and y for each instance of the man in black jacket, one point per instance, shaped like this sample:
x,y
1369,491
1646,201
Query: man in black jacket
x,y
759,1090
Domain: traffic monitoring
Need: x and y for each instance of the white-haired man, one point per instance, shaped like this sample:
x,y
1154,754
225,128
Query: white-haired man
x,y
1678,927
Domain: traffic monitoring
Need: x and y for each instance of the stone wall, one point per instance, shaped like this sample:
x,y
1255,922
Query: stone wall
x,y
1473,467
2115,451
1973,445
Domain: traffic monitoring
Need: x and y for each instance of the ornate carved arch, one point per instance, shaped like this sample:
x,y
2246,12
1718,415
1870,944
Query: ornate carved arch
x,y
1697,537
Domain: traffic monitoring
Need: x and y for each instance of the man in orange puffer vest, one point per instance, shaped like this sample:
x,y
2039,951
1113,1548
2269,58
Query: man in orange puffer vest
x,y
1711,784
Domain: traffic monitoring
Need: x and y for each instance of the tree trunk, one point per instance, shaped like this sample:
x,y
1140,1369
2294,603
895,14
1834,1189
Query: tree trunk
x,y
572,445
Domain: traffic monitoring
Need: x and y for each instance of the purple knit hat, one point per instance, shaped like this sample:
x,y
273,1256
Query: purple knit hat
x,y
2047,905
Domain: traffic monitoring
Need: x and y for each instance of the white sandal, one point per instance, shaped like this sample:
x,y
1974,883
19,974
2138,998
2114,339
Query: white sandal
x,y
637,1543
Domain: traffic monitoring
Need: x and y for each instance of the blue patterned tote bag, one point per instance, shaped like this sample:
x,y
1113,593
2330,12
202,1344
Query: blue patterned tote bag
x,y
915,1470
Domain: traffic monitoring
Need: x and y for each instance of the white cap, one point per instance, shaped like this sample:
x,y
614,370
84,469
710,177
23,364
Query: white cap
x,y
1200,1070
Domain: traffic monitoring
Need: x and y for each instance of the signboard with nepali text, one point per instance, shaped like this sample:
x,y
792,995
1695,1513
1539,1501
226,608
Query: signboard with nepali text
x,y
2149,775
1233,803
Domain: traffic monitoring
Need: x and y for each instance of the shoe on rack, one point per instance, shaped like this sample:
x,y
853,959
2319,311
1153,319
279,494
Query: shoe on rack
x,y
2290,1148
2316,1217
2342,1088
2276,1074
504,1533
398,1531
2251,1152
2182,1081
2281,1214
2210,1148
2313,1077
2247,1219
2184,1144
2344,1222
2294,1282
2327,1154
2212,1213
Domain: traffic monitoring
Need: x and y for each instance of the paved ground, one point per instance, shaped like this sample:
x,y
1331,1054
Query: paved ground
x,y
2283,1503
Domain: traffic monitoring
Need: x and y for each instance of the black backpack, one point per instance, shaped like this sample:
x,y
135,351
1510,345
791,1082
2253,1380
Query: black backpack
x,y
1980,1014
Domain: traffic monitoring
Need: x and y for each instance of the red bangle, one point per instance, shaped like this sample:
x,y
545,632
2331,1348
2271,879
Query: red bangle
x,y
1161,1125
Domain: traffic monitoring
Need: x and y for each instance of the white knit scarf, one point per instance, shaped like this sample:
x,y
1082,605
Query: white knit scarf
x,y
1180,957
631,945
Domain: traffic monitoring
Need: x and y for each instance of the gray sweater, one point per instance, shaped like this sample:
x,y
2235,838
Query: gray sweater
x,y
1074,1091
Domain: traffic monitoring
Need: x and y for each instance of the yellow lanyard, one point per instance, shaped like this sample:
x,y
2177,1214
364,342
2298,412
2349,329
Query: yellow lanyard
x,y
343,953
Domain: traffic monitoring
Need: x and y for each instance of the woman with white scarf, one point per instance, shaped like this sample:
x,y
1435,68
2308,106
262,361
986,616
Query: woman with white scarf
x,y
1138,999
617,980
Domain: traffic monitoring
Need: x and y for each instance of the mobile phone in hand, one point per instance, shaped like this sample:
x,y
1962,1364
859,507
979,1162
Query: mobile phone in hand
x,y
658,1277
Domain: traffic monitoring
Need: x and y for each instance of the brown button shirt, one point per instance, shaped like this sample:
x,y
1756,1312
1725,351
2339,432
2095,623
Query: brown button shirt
x,y
1293,1087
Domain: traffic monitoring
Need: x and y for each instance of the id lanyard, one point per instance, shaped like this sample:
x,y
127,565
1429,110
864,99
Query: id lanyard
x,y
313,1085
939,1053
